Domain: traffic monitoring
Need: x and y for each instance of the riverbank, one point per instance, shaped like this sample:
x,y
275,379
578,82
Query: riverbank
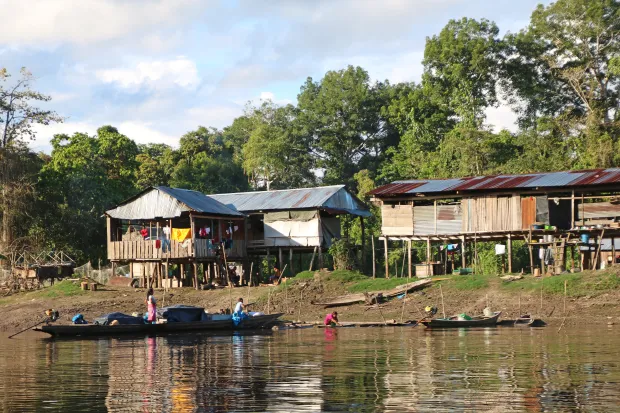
x,y
592,297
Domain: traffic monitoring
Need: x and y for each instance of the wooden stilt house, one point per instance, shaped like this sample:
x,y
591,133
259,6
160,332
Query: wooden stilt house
x,y
163,226
552,212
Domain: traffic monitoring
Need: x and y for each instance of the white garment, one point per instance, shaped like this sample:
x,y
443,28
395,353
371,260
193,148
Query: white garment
x,y
239,307
166,230
500,249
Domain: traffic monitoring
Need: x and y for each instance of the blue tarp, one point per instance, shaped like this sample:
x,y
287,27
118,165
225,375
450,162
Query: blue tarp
x,y
182,313
120,317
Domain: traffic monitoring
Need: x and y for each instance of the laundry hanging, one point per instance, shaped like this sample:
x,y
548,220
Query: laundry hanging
x,y
181,234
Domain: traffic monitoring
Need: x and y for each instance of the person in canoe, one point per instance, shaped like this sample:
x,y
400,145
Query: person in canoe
x,y
151,303
331,319
238,315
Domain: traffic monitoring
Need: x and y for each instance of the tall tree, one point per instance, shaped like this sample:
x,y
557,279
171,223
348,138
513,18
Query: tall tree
x,y
341,116
17,115
461,68
276,153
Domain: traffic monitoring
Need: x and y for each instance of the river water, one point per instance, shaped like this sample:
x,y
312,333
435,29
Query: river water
x,y
348,369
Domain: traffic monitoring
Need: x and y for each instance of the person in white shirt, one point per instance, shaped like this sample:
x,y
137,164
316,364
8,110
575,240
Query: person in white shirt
x,y
239,307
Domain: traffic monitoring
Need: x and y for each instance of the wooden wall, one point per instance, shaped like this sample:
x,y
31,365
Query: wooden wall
x,y
492,213
397,220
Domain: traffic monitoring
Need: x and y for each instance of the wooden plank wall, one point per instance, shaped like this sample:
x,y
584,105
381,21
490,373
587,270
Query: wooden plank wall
x,y
397,219
491,213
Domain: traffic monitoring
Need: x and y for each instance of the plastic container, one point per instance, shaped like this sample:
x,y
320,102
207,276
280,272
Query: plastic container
x,y
585,238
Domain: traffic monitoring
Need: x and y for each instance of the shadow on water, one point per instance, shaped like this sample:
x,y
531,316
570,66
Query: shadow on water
x,y
356,370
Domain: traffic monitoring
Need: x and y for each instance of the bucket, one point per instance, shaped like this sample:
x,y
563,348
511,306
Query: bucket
x,y
585,238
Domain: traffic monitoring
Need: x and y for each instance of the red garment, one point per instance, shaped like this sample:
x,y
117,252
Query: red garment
x,y
329,319
144,232
158,244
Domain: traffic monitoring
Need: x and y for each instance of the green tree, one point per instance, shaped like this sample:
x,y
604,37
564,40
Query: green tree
x,y
341,115
101,169
276,154
461,68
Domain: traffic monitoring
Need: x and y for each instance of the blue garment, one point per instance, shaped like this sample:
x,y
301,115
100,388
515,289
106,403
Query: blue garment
x,y
238,317
79,319
165,245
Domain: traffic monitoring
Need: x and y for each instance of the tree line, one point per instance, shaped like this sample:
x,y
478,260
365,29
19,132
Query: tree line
x,y
559,75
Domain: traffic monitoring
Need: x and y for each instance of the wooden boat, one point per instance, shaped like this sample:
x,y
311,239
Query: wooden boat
x,y
95,330
361,297
453,322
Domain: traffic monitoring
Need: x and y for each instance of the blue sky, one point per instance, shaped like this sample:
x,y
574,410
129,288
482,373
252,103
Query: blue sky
x,y
157,69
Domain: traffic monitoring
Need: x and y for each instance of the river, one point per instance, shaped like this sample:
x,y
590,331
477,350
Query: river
x,y
348,369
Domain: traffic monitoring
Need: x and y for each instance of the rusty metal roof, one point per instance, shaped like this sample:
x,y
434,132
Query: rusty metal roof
x,y
334,198
493,182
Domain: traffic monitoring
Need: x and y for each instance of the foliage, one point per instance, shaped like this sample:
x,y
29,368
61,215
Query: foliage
x,y
304,275
17,115
64,288
342,252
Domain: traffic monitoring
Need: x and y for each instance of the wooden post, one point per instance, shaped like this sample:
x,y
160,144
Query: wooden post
x,y
312,259
131,269
182,269
363,244
113,268
409,257
463,258
374,262
387,263
321,264
613,251
443,307
572,258
192,249
429,271
268,264
572,210
509,253
290,261
583,212
435,219
529,247
598,249
195,274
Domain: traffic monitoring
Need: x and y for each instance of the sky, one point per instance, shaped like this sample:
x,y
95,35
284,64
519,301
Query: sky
x,y
158,69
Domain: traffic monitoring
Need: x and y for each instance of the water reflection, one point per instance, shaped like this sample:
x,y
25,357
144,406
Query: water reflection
x,y
351,369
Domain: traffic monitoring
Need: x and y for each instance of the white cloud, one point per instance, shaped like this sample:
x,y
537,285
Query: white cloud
x,y
44,133
160,74
267,96
146,132
51,22
216,116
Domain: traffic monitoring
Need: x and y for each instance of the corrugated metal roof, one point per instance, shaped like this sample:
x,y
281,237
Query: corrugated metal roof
x,y
482,183
164,202
335,198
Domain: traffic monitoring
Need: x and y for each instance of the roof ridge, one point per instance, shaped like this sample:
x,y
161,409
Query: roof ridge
x,y
280,190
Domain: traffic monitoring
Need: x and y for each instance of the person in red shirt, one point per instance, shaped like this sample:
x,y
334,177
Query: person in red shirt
x,y
331,319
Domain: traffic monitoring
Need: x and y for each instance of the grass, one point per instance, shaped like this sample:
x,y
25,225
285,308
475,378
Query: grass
x,y
378,284
59,289
304,275
589,283
467,282
346,276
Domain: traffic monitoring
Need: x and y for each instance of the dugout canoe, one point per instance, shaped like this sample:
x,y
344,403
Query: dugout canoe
x,y
453,322
94,330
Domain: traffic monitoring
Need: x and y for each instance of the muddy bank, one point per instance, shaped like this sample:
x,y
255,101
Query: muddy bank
x,y
520,297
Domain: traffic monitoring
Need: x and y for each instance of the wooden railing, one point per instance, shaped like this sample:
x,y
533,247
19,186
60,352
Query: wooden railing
x,y
147,250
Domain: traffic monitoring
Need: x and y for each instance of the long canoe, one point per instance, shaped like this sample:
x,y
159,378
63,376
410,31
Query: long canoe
x,y
454,323
94,330
361,297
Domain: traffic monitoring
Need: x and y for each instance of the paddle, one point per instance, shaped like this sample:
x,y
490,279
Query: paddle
x,y
29,328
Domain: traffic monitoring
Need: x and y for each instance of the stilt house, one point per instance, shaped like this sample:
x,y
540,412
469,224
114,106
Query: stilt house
x,y
297,220
162,226
550,211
